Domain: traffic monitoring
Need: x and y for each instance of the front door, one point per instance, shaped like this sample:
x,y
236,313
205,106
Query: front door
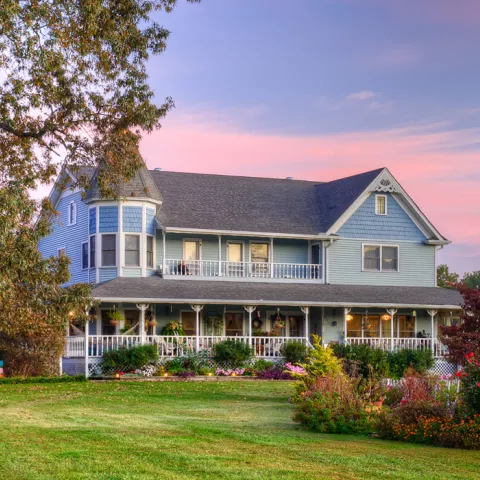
x,y
107,328
315,273
259,256
233,324
191,255
235,259
189,321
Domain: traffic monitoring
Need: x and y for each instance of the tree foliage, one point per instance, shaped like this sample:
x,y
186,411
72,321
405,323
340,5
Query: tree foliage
x,y
74,83
445,278
464,339
472,279
34,307
73,86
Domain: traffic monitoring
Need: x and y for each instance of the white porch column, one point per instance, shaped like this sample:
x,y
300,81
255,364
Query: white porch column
x,y
306,311
391,312
197,309
250,309
164,259
219,255
142,307
432,314
346,312
271,258
86,348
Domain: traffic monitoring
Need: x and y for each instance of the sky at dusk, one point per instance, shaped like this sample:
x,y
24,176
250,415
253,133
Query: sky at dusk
x,y
321,89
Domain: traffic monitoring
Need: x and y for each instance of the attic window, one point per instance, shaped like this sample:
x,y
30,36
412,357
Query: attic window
x,y
380,204
72,213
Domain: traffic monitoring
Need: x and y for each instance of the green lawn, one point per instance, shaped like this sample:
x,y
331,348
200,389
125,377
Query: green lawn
x,y
238,430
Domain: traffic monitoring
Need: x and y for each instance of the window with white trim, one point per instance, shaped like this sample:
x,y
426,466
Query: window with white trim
x,y
92,251
72,213
380,204
380,258
132,250
149,252
109,250
84,255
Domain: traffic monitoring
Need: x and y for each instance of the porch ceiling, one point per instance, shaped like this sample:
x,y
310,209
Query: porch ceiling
x,y
155,289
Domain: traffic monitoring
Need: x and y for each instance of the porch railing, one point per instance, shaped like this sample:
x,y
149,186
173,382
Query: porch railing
x,y
172,346
215,268
385,343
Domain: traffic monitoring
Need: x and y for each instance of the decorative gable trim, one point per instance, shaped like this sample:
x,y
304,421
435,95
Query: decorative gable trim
x,y
385,182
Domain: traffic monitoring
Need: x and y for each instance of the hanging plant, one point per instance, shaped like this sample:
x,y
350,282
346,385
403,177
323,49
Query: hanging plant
x,y
172,328
152,323
115,317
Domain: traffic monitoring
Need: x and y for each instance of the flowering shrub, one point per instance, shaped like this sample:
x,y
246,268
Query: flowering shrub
x,y
229,372
146,371
294,352
470,383
331,404
439,430
295,369
276,372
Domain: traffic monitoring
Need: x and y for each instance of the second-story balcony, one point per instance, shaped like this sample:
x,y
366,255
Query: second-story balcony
x,y
242,270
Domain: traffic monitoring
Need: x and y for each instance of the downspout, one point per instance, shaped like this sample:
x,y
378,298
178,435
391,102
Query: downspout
x,y
325,260
435,263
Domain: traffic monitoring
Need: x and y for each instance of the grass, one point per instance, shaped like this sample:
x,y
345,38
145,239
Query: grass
x,y
197,430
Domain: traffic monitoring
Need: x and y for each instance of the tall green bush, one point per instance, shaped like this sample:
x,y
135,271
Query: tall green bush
x,y
127,359
366,361
294,352
400,361
232,353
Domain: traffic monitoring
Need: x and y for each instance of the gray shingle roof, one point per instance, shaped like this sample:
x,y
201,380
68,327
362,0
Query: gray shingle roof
x,y
141,186
157,288
252,204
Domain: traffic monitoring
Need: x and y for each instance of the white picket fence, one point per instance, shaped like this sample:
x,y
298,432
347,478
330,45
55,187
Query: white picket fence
x,y
172,346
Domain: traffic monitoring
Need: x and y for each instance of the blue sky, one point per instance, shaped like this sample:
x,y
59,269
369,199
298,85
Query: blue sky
x,y
319,89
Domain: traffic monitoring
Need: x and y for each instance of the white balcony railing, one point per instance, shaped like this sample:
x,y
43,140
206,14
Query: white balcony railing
x,y
439,349
215,268
172,346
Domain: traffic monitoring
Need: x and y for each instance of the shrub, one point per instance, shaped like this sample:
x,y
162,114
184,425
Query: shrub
x,y
401,360
276,372
331,404
294,352
431,429
128,359
232,353
362,360
470,383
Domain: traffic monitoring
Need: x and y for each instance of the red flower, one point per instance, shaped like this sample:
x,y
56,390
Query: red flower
x,y
478,384
458,374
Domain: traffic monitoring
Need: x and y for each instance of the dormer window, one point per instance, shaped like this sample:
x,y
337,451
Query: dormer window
x,y
380,204
72,213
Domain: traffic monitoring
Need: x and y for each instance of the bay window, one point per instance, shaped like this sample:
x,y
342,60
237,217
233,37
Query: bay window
x,y
132,250
109,250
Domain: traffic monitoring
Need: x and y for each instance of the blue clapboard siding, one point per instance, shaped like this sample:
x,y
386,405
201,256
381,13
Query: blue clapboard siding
x,y
290,251
132,272
108,219
92,220
71,237
132,219
150,221
417,265
396,225
108,273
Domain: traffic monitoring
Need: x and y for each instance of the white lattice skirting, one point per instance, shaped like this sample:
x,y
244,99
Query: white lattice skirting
x,y
442,367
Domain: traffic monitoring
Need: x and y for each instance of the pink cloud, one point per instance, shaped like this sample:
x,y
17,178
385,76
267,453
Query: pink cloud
x,y
363,95
418,156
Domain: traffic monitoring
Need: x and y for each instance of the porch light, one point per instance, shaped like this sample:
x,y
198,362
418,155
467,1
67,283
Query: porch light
x,y
414,313
71,313
385,317
349,317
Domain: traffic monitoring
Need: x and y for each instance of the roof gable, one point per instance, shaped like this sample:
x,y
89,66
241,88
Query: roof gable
x,y
395,225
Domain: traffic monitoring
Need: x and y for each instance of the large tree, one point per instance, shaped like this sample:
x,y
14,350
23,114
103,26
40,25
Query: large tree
x,y
472,279
73,86
445,278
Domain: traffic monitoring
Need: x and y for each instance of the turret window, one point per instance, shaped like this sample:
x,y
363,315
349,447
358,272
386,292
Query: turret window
x,y
109,251
132,250
149,252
